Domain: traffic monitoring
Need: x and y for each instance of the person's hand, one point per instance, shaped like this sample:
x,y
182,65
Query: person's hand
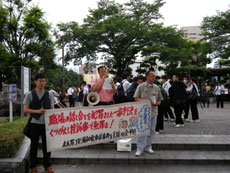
x,y
41,111
112,84
156,104
104,77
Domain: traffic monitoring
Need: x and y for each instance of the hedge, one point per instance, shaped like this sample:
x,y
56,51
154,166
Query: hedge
x,y
11,137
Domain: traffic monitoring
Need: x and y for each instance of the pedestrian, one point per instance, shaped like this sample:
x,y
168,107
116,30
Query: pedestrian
x,y
187,103
104,86
57,103
167,111
219,90
193,96
126,84
85,93
70,93
162,109
206,91
131,91
146,91
62,98
35,103
177,96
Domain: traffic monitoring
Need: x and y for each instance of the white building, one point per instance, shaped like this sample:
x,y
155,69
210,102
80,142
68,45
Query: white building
x,y
192,32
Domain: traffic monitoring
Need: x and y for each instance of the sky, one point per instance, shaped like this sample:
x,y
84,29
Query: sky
x,y
175,12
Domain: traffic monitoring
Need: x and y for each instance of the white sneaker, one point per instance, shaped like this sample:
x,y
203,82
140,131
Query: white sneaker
x,y
177,125
187,120
161,131
149,150
138,153
197,121
166,119
172,120
157,133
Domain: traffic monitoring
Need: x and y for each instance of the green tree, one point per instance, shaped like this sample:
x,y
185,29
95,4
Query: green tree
x,y
113,31
25,39
216,31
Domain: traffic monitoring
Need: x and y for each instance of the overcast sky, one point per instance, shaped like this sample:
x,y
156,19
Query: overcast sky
x,y
175,12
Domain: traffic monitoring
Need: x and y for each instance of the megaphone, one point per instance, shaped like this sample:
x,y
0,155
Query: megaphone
x,y
93,98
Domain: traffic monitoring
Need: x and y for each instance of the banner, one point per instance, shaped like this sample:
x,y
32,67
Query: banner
x,y
82,126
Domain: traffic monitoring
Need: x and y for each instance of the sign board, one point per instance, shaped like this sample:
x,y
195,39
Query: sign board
x,y
82,126
13,92
25,85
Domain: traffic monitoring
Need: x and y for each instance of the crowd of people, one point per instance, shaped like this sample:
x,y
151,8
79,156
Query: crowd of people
x,y
171,100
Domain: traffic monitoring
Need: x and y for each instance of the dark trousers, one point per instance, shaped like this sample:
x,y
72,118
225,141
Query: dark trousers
x,y
168,111
186,109
194,110
160,119
37,130
71,101
178,109
206,99
219,100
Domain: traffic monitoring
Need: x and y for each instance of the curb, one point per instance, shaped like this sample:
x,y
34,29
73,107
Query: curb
x,y
20,163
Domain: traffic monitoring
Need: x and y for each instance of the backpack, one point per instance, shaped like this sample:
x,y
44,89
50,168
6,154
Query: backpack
x,y
119,96
131,91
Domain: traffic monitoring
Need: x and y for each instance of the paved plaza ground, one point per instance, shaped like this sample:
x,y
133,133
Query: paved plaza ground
x,y
214,121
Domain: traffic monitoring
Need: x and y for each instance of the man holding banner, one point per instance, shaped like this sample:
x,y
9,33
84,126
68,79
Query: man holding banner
x,y
148,91
35,103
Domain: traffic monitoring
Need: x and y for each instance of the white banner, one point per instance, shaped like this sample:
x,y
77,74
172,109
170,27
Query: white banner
x,y
82,126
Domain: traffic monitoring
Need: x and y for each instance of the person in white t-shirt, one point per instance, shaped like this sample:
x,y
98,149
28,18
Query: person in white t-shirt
x,y
219,90
70,92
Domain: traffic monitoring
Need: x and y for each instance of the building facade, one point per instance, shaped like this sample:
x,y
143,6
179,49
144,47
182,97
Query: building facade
x,y
192,32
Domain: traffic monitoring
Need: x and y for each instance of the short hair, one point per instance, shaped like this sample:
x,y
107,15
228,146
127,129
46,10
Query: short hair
x,y
126,74
147,73
100,67
84,83
140,77
39,76
164,77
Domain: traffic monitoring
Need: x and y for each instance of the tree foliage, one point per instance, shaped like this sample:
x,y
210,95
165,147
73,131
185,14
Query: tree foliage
x,y
216,31
115,32
25,39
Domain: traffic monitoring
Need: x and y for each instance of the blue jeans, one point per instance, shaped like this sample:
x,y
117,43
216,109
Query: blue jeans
x,y
146,141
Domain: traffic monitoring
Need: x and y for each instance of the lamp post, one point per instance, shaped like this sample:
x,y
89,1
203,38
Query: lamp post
x,y
58,36
63,66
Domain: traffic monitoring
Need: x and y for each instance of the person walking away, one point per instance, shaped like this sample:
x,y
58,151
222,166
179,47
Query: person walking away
x,y
206,94
167,111
70,93
177,96
35,103
219,90
146,91
99,86
193,94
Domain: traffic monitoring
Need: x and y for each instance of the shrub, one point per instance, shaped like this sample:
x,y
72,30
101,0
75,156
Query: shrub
x,y
11,137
